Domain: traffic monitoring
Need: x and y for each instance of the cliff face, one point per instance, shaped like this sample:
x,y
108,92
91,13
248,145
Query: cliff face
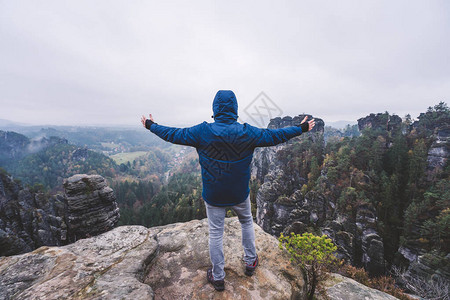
x,y
436,126
439,151
29,220
283,207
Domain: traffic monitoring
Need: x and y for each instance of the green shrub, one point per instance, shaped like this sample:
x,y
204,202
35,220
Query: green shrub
x,y
314,254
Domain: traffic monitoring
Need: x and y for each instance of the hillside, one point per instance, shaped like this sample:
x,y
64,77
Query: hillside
x,y
47,161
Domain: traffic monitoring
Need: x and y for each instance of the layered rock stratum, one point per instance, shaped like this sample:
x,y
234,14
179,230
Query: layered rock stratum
x,y
91,206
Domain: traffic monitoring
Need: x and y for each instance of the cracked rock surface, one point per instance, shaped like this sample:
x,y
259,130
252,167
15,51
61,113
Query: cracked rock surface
x,y
107,266
134,262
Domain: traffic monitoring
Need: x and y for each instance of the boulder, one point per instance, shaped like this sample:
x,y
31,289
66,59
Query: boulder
x,y
339,287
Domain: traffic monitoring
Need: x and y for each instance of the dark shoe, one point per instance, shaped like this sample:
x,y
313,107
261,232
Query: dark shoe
x,y
250,269
219,285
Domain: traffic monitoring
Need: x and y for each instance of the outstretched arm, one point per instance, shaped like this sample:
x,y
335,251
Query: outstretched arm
x,y
270,137
183,136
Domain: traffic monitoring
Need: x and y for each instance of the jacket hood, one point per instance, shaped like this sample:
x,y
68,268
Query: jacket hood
x,y
225,107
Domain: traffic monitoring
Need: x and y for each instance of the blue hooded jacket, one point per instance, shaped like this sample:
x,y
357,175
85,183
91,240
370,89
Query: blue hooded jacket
x,y
225,149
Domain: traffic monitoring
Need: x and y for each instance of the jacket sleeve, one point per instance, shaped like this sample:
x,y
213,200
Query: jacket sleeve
x,y
189,136
263,137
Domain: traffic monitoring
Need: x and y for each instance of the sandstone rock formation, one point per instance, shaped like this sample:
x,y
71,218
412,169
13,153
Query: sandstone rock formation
x,y
278,213
359,242
419,264
133,262
439,151
279,122
91,206
264,158
29,220
382,121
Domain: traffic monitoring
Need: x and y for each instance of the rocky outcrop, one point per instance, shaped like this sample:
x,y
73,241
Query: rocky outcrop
x,y
29,220
264,158
435,125
91,206
423,265
431,265
381,121
80,154
439,151
372,247
287,121
359,242
277,213
133,262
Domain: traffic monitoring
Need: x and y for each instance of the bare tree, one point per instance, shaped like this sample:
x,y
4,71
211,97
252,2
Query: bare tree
x,y
435,288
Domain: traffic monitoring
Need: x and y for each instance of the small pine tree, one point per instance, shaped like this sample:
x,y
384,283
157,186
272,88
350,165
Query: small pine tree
x,y
313,253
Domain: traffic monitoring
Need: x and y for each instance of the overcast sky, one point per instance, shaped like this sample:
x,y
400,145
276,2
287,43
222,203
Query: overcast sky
x,y
109,62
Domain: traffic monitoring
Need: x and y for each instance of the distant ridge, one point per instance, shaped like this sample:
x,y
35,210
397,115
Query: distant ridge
x,y
8,123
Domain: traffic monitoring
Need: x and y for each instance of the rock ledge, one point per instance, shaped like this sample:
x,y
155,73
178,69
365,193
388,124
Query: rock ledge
x,y
134,262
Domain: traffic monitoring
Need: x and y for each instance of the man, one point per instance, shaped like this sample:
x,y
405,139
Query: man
x,y
225,149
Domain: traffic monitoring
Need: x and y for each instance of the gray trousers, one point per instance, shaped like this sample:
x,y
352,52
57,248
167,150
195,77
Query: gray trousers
x,y
216,220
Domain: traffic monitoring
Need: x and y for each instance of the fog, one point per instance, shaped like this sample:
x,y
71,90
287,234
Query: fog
x,y
109,62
